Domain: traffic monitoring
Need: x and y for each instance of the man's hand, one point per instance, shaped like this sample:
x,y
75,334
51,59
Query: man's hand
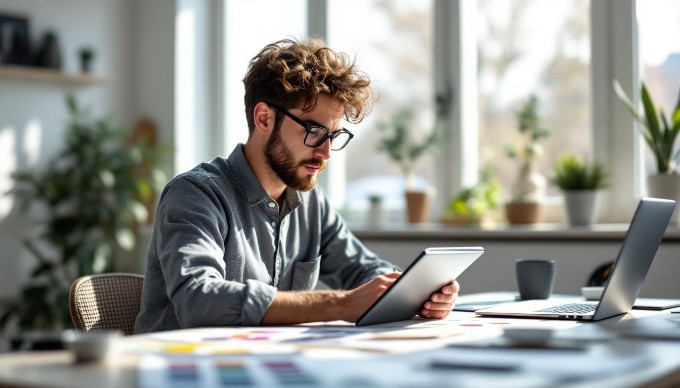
x,y
358,300
441,303
293,307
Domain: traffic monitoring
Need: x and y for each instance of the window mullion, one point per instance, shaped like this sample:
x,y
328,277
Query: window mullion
x,y
456,96
616,140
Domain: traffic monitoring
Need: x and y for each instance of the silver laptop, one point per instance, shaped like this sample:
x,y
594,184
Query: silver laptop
x,y
639,247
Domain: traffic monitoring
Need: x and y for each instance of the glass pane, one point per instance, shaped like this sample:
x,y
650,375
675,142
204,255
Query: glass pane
x,y
392,42
659,29
533,47
248,29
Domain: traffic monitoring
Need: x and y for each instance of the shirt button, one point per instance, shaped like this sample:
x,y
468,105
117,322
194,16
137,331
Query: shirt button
x,y
272,205
274,224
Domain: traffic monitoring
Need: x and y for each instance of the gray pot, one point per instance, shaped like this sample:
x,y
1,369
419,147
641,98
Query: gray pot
x,y
582,206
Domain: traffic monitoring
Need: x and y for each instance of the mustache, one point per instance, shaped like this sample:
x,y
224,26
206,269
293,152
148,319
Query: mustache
x,y
316,162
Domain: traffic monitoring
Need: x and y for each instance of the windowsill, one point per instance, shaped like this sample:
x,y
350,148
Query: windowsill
x,y
437,231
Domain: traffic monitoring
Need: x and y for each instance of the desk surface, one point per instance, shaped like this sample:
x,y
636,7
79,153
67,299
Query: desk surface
x,y
636,349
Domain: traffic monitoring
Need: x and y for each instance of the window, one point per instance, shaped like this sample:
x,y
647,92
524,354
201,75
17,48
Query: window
x,y
392,42
536,48
659,27
566,53
247,31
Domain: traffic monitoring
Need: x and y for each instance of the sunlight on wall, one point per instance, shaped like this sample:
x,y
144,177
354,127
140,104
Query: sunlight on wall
x,y
241,47
31,144
7,166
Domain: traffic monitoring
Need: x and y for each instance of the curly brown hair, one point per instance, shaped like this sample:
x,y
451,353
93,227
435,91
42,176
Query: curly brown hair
x,y
291,72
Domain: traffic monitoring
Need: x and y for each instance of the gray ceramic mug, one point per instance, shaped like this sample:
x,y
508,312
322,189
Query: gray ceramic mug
x,y
535,278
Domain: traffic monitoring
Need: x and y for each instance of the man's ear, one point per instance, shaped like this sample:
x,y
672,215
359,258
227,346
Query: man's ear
x,y
264,118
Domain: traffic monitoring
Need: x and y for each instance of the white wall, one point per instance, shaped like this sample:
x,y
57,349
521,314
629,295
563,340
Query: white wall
x,y
134,41
575,260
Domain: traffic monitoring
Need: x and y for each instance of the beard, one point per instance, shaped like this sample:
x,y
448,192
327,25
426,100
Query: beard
x,y
281,160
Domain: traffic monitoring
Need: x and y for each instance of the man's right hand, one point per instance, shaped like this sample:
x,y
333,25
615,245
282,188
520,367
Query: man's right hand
x,y
358,300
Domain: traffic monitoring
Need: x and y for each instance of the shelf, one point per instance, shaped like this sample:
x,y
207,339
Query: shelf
x,y
529,232
48,75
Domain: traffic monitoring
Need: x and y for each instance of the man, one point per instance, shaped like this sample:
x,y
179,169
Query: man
x,y
244,240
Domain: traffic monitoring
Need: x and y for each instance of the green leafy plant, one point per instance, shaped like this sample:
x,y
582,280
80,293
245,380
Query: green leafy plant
x,y
400,145
92,195
573,173
473,203
529,185
531,133
659,132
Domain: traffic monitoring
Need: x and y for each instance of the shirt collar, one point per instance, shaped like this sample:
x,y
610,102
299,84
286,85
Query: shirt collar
x,y
251,186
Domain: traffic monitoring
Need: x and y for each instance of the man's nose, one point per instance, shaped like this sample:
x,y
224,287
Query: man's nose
x,y
324,150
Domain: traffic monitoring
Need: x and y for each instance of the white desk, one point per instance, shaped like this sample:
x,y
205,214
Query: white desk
x,y
465,354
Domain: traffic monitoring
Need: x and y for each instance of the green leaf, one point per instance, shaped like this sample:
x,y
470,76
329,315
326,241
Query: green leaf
x,y
125,238
573,173
102,258
659,137
139,212
42,268
107,178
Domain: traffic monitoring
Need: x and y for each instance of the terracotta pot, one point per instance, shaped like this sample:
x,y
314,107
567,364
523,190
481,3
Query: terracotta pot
x,y
418,205
523,212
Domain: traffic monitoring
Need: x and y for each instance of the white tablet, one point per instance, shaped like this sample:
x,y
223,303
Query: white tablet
x,y
428,273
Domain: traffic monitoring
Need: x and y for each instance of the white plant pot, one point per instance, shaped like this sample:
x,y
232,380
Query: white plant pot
x,y
375,216
582,206
667,187
530,185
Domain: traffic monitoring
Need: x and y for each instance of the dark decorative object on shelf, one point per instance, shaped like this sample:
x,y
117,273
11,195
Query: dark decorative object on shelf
x,y
15,48
86,55
49,54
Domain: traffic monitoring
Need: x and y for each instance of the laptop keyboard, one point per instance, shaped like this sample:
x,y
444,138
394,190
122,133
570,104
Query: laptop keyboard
x,y
570,308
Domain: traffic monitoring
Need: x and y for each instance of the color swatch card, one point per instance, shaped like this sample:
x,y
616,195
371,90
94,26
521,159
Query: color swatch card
x,y
239,372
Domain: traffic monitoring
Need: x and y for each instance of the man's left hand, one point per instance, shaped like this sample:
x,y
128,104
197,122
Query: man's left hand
x,y
441,303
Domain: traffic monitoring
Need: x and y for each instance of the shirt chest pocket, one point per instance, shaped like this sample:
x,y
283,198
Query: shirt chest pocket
x,y
306,274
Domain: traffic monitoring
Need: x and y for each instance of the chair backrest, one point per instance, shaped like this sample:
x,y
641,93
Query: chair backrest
x,y
109,301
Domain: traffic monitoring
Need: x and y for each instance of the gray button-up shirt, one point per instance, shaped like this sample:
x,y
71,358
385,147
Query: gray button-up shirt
x,y
221,248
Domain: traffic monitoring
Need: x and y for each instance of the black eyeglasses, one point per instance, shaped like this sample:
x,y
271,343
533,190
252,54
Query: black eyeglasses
x,y
317,134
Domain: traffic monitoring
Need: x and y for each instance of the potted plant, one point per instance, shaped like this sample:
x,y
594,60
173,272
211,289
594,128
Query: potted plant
x,y
580,182
529,188
375,215
91,196
402,148
474,205
86,55
660,134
